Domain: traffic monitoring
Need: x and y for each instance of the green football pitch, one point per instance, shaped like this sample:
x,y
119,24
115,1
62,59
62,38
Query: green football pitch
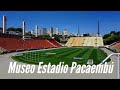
x,y
66,55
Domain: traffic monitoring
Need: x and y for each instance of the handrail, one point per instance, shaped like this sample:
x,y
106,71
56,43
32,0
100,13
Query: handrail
x,y
118,67
109,57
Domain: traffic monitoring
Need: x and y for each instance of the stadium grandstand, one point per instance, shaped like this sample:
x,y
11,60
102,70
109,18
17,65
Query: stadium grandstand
x,y
85,41
12,42
33,48
115,46
89,40
55,43
15,44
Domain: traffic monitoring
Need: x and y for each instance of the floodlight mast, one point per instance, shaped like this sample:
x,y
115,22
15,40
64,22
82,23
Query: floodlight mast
x,y
4,24
23,32
78,31
98,29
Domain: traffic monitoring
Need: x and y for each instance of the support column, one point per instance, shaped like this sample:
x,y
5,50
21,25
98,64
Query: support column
x,y
23,32
36,28
4,24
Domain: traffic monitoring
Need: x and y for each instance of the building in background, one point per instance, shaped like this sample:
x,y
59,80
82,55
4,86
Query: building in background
x,y
65,32
43,31
51,31
57,31
36,29
32,32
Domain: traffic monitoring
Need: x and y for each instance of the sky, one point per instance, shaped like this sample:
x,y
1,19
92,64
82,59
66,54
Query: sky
x,y
70,20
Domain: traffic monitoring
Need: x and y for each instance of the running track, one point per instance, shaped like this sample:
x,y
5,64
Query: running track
x,y
5,60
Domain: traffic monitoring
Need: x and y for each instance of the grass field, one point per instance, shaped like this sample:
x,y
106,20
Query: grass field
x,y
1,51
65,55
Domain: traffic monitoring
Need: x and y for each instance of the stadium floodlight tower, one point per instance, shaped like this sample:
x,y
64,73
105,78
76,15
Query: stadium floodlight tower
x,y
78,31
98,30
4,24
23,32
36,28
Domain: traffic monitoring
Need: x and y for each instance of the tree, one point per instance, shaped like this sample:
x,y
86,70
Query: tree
x,y
112,32
1,28
11,29
45,36
111,37
14,29
117,33
106,36
18,29
57,37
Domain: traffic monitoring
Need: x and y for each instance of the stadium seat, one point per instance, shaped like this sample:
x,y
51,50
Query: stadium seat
x,y
55,43
85,41
13,44
116,46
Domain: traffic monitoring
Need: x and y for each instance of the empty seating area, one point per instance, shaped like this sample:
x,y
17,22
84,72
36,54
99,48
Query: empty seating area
x,y
11,44
85,41
75,42
14,44
100,41
70,42
116,46
81,41
90,41
32,44
2,49
45,43
115,43
53,41
78,41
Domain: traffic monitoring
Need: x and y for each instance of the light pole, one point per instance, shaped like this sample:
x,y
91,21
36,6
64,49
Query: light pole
x,y
118,67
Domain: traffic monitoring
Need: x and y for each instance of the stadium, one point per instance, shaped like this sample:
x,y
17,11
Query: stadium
x,y
88,49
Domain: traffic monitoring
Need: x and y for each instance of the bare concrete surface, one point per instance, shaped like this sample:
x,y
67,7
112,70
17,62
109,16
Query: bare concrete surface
x,y
5,61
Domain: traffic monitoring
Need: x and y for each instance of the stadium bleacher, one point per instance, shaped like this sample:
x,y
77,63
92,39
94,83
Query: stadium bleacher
x,y
100,41
45,43
69,42
116,46
78,41
10,44
85,41
15,44
53,41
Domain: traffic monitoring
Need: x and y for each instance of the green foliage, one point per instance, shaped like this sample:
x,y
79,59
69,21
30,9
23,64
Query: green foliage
x,y
106,36
1,28
14,29
1,51
57,37
112,32
111,37
45,36
65,55
18,29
